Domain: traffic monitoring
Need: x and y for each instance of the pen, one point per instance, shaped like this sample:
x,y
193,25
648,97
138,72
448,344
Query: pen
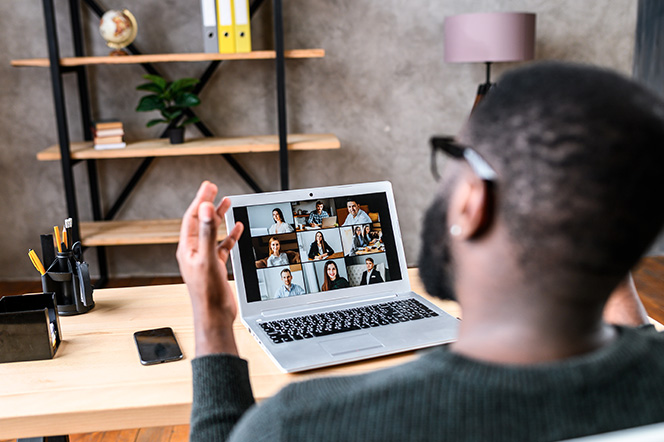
x,y
36,262
56,233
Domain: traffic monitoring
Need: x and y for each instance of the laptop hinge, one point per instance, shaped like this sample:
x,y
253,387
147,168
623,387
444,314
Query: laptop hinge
x,y
336,304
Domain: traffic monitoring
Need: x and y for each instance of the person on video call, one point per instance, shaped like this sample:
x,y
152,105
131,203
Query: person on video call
x,y
536,244
359,239
333,280
276,257
355,214
289,288
370,275
370,237
319,248
316,217
279,226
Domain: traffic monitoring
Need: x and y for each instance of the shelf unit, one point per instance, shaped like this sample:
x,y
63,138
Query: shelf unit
x,y
104,231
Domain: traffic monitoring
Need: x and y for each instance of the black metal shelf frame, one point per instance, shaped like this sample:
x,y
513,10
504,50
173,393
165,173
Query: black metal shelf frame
x,y
68,164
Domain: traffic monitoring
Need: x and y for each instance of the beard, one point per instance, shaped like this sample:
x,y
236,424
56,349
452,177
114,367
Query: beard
x,y
436,264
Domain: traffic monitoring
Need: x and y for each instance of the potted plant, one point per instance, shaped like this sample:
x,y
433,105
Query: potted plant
x,y
171,99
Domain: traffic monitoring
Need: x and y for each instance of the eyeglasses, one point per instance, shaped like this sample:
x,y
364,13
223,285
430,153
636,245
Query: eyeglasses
x,y
449,146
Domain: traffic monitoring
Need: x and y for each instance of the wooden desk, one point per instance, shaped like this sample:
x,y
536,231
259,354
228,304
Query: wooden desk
x,y
96,382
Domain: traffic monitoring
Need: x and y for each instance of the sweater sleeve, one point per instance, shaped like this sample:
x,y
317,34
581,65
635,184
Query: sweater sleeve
x,y
222,394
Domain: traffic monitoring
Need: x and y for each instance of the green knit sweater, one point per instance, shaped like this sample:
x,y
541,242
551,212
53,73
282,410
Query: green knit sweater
x,y
442,396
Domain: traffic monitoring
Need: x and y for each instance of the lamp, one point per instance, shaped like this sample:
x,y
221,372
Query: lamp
x,y
488,38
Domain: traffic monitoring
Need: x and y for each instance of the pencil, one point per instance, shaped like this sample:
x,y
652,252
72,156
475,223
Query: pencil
x,y
56,233
36,262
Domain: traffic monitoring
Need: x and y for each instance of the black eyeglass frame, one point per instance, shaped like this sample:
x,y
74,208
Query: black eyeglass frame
x,y
449,146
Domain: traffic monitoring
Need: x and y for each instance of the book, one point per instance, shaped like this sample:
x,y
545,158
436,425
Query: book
x,y
110,146
107,132
108,140
107,124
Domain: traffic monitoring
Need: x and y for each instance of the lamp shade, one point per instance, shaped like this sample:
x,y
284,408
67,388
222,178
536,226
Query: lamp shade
x,y
489,37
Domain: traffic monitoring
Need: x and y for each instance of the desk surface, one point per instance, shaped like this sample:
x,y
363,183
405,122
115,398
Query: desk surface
x,y
96,382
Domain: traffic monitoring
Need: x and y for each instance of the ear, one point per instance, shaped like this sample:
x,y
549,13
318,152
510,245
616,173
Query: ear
x,y
471,207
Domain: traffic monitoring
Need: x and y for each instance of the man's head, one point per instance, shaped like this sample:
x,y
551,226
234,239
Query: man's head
x,y
579,153
370,264
286,277
319,207
352,206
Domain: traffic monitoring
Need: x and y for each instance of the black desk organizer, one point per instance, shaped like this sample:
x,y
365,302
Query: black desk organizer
x,y
69,278
29,327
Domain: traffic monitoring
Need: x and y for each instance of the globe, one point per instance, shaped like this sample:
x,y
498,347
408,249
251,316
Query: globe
x,y
118,28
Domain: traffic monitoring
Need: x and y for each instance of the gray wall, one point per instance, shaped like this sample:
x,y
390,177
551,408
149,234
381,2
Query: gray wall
x,y
382,88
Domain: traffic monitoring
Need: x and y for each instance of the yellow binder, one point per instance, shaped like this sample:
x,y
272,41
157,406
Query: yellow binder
x,y
242,26
226,31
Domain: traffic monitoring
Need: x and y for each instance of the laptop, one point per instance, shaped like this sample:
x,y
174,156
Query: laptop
x,y
312,306
329,221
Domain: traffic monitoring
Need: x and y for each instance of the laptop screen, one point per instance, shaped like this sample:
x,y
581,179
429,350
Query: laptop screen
x,y
304,247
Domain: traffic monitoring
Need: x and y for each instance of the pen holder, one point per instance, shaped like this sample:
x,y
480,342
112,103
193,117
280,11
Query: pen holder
x,y
29,327
69,279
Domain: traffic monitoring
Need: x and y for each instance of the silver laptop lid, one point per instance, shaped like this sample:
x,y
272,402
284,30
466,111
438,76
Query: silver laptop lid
x,y
279,244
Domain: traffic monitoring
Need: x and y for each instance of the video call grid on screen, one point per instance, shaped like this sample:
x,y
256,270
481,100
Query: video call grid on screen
x,y
300,250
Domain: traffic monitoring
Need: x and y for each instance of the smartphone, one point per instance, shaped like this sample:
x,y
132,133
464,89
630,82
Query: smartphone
x,y
157,346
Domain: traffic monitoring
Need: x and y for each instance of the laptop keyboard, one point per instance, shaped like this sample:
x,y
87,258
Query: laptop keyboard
x,y
329,323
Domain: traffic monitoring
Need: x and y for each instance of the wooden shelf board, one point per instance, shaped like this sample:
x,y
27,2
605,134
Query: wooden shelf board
x,y
119,233
166,58
161,147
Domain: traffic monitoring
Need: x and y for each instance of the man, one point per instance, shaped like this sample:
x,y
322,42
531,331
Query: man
x,y
532,230
316,218
369,274
288,289
355,214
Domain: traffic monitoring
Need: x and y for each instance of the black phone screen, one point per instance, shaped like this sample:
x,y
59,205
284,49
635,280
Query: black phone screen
x,y
157,345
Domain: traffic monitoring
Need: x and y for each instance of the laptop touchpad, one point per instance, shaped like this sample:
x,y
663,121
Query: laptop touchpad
x,y
351,344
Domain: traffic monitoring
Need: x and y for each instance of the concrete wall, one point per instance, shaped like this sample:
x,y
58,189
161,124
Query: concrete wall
x,y
382,88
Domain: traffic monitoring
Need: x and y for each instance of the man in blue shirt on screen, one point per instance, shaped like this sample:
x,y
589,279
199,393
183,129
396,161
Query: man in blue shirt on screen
x,y
288,289
316,217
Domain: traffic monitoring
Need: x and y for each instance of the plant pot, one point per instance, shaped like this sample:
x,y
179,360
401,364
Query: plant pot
x,y
176,135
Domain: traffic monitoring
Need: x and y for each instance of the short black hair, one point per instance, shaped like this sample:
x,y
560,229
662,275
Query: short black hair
x,y
319,203
579,153
370,259
285,270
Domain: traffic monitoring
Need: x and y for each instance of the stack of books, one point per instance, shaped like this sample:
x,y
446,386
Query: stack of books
x,y
108,134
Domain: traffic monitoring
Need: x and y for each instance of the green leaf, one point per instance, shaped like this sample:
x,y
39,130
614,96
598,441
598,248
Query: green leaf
x,y
156,79
187,99
150,87
153,122
184,84
189,121
172,114
149,103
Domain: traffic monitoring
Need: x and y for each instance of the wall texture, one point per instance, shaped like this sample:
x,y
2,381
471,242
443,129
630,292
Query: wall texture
x,y
382,88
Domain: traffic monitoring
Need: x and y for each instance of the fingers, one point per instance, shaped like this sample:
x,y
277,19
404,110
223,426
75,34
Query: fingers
x,y
229,242
207,225
223,207
189,229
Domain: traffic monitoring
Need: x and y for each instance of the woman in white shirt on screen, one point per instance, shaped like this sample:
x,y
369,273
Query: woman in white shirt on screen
x,y
279,226
277,257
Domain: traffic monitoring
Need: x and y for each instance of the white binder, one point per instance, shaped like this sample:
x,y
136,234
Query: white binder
x,y
209,13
